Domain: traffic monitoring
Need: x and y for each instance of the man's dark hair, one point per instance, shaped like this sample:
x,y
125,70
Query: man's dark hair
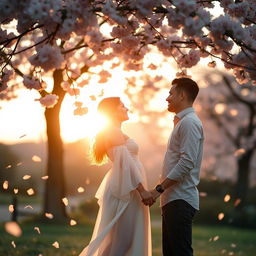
x,y
187,85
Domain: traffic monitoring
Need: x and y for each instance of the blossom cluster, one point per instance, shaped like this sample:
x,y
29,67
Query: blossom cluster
x,y
64,32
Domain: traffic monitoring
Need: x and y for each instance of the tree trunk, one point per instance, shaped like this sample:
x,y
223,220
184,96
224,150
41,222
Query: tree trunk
x,y
55,184
243,173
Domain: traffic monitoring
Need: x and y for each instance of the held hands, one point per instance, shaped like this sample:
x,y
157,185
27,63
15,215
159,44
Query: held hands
x,y
149,197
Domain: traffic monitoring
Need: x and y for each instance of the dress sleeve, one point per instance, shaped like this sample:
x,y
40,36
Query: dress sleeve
x,y
125,174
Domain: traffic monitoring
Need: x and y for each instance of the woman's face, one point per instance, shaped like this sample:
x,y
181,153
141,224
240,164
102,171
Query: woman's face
x,y
122,112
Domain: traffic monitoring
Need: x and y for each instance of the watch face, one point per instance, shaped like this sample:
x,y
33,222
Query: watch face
x,y
159,189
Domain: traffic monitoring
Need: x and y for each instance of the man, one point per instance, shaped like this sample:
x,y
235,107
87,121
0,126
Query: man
x,y
181,167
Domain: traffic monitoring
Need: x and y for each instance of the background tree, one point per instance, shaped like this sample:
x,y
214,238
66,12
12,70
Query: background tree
x,y
63,39
229,110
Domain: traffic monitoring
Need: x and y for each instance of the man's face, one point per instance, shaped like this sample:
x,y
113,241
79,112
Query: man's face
x,y
173,99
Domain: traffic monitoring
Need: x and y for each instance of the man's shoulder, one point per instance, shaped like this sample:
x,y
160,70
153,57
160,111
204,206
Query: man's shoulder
x,y
191,119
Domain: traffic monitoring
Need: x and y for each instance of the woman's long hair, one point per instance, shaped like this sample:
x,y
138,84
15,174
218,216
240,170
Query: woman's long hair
x,y
106,107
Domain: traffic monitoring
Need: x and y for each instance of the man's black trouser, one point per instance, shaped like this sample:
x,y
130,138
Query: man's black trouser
x,y
177,219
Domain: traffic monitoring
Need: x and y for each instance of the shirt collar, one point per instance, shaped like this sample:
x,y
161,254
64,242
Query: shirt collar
x,y
184,112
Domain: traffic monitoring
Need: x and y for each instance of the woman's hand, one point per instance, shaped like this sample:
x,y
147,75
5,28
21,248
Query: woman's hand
x,y
147,198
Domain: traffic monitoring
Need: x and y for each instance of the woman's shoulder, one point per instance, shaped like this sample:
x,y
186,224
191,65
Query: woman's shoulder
x,y
114,137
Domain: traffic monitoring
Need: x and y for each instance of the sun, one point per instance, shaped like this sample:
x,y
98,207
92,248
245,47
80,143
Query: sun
x,y
75,127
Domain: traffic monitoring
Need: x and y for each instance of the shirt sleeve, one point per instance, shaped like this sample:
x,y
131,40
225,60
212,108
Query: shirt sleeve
x,y
190,133
125,174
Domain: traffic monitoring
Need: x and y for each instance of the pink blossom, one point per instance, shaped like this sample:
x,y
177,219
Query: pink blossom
x,y
212,64
144,7
152,66
93,39
109,9
80,111
73,91
238,9
175,20
120,32
226,3
31,83
189,60
104,76
185,6
3,87
193,26
183,73
203,41
48,57
130,42
49,101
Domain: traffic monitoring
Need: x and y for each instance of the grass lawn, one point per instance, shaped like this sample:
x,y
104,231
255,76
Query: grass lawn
x,y
71,239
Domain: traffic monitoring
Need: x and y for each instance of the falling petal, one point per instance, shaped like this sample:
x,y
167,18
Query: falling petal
x,y
49,215
22,136
80,190
231,253
5,184
30,191
214,177
15,190
221,216
26,177
227,198
78,104
45,177
87,182
203,194
18,164
223,251
216,238
56,244
239,152
13,244
92,97
36,158
73,222
11,208
37,229
28,206
8,166
233,245
65,201
237,202
13,228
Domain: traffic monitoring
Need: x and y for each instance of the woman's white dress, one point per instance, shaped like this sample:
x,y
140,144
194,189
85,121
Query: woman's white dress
x,y
122,226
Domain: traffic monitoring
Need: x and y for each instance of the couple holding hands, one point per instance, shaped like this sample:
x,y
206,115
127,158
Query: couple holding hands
x,y
123,225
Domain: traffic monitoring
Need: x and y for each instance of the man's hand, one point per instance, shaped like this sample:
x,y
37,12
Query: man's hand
x,y
147,198
155,194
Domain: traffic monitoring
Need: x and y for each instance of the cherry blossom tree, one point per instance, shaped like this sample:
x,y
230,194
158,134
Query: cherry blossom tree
x,y
65,39
229,113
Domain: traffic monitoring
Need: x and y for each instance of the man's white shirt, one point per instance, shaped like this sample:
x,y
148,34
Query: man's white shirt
x,y
183,158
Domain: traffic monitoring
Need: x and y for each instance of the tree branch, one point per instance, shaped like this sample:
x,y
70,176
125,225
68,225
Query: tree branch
x,y
236,95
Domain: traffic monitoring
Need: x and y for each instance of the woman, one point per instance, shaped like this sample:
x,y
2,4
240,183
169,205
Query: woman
x,y
123,223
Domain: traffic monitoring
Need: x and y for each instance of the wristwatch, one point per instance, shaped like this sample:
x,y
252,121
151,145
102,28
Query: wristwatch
x,y
159,188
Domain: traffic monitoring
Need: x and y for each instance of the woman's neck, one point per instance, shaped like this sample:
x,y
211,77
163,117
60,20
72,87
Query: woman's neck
x,y
116,124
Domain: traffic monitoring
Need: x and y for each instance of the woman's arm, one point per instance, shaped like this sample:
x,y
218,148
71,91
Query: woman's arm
x,y
145,195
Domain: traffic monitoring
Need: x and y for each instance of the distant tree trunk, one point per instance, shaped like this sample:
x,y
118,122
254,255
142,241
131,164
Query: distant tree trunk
x,y
55,185
242,184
